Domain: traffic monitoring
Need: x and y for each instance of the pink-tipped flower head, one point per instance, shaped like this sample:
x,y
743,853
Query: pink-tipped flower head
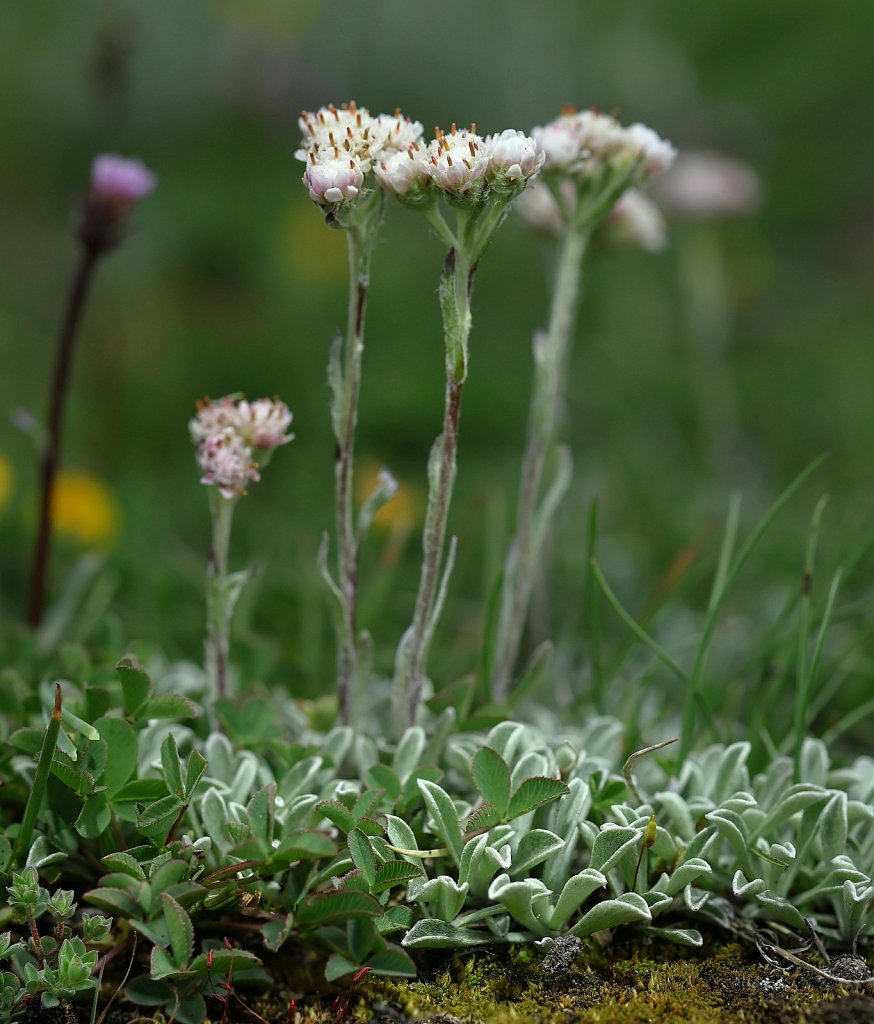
x,y
514,159
331,181
226,463
117,179
235,438
213,418
458,160
263,423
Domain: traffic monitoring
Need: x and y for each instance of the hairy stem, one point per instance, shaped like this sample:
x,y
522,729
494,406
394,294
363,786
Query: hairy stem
x,y
218,602
411,663
360,244
51,453
550,359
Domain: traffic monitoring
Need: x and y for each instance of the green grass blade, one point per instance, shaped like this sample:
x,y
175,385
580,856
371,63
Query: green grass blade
x,y
43,769
761,528
638,630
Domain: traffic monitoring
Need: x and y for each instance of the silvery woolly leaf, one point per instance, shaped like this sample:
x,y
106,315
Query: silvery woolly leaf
x,y
439,935
675,809
832,826
731,774
683,875
409,750
657,901
611,845
680,936
696,898
491,776
781,909
443,896
535,847
530,765
527,901
574,893
747,889
814,762
626,909
444,817
505,738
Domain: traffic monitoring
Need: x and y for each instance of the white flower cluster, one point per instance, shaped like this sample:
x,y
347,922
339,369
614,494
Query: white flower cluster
x,y
578,140
230,432
342,145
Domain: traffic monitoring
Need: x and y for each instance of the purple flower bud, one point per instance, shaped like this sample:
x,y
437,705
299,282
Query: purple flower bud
x,y
120,180
116,185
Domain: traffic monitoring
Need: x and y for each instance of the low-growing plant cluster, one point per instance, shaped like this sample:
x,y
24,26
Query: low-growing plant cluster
x,y
372,849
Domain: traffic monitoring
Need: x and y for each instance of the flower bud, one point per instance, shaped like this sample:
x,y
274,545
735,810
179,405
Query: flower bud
x,y
514,159
117,184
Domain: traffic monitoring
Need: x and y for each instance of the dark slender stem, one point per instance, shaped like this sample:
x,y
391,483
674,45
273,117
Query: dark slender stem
x,y
51,452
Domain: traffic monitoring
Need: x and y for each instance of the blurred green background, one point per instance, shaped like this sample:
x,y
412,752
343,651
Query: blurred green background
x,y
230,282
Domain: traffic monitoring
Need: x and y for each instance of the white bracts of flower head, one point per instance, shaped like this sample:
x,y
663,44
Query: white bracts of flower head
x,y
226,463
402,172
457,160
263,423
657,154
337,133
638,221
331,181
393,133
513,155
709,184
538,209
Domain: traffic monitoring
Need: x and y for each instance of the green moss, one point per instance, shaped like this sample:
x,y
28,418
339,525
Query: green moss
x,y
622,984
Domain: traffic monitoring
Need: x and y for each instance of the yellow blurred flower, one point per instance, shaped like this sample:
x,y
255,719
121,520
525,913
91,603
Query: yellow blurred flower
x,y
309,250
84,507
402,512
7,478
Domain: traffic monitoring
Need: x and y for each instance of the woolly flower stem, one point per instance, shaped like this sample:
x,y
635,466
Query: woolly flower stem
x,y
219,600
550,360
347,386
52,449
411,663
